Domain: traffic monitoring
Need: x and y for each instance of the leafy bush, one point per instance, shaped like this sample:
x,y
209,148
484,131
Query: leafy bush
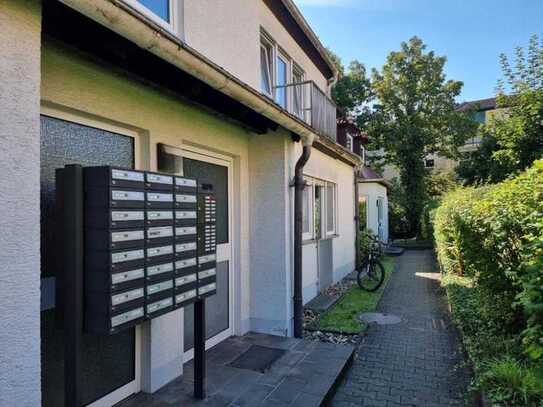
x,y
493,236
427,220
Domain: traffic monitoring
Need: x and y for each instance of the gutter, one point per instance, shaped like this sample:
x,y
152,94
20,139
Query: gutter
x,y
131,24
299,186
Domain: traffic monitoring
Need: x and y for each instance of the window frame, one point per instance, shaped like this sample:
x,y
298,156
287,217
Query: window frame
x,y
298,71
427,160
282,55
325,232
333,231
363,154
309,235
349,142
268,45
170,26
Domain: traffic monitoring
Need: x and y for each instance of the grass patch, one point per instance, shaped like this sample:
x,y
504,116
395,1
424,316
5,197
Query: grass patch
x,y
342,316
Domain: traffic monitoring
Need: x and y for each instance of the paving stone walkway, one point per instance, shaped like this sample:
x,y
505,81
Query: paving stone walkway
x,y
415,362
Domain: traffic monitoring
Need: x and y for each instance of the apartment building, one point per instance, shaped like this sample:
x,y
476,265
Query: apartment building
x,y
238,90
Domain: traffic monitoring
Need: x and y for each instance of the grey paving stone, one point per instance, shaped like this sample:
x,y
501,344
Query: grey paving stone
x,y
413,362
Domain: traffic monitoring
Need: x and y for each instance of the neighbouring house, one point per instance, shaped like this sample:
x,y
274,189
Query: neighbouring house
x,y
372,188
240,91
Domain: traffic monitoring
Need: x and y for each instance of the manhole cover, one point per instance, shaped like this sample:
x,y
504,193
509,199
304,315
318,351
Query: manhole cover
x,y
379,319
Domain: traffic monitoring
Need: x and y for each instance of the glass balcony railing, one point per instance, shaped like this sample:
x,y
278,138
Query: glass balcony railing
x,y
307,102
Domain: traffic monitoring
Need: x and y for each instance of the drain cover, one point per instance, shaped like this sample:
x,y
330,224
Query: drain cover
x,y
379,319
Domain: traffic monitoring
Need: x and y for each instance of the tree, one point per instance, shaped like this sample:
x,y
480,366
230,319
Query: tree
x,y
414,116
352,91
513,139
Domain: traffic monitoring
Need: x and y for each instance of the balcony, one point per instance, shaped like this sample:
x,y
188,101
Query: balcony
x,y
306,101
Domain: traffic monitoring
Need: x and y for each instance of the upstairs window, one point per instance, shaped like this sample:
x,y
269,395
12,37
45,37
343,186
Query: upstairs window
x,y
363,154
298,94
429,163
160,8
282,80
266,66
349,142
161,12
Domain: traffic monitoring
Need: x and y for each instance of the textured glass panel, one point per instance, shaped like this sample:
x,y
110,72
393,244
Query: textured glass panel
x,y
217,310
159,7
330,207
108,361
217,175
306,210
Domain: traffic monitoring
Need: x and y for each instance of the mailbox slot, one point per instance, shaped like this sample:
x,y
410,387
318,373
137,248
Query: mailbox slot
x,y
159,218
158,181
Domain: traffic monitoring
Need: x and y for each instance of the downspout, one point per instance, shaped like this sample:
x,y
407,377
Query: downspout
x,y
299,185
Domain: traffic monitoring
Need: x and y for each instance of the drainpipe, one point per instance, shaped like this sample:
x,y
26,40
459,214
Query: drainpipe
x,y
299,186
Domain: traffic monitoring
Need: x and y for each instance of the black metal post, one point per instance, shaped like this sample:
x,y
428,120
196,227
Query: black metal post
x,y
73,282
200,349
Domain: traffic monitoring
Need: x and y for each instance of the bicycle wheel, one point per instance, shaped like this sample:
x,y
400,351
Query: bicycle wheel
x,y
371,276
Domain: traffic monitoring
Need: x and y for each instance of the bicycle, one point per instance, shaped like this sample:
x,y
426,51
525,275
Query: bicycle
x,y
371,274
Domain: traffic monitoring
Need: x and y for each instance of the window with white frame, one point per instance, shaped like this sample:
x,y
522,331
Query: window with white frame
x,y
363,154
266,66
283,71
160,11
330,209
307,219
319,209
349,142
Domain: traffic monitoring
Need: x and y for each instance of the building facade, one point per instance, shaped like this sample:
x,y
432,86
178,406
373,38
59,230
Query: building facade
x,y
234,88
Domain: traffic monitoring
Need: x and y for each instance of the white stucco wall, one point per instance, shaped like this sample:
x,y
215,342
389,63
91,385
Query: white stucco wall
x,y
326,168
20,380
228,33
156,117
372,191
270,234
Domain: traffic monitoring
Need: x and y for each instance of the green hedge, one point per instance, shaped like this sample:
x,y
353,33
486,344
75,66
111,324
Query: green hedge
x,y
493,236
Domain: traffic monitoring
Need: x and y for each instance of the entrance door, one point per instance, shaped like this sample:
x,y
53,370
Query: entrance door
x,y
110,364
214,170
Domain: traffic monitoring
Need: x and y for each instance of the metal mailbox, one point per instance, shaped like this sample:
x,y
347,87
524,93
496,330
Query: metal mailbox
x,y
150,245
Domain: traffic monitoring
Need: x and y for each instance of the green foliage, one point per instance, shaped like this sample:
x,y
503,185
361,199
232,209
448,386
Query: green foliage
x,y
414,116
352,91
399,227
440,182
427,219
364,243
513,139
489,243
511,383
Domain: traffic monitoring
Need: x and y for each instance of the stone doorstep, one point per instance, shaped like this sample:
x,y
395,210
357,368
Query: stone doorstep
x,y
306,376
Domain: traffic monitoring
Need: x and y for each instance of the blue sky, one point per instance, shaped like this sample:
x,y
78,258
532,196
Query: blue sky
x,y
470,33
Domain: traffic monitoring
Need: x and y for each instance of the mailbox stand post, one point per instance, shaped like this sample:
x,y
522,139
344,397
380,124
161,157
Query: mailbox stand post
x,y
72,192
199,349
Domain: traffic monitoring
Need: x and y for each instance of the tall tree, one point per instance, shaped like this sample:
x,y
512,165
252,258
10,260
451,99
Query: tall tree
x,y
414,116
513,138
352,91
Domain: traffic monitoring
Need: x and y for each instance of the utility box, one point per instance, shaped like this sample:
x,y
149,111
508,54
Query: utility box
x,y
150,246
